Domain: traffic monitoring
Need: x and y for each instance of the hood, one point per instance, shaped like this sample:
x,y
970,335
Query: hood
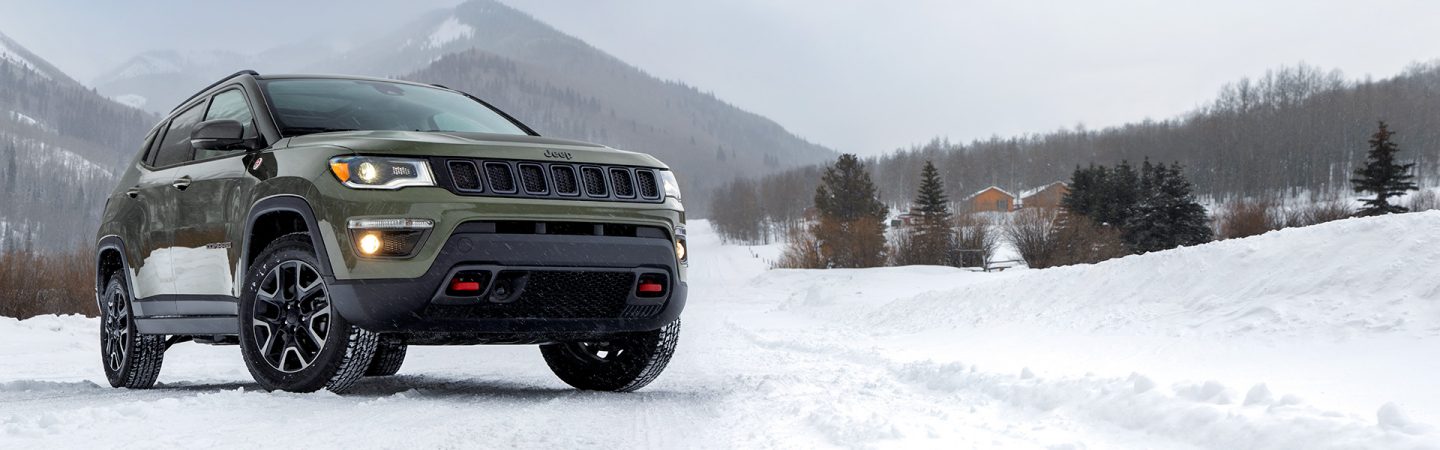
x,y
473,145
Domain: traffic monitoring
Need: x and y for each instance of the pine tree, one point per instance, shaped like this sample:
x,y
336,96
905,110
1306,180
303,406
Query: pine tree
x,y
846,192
1382,176
851,229
1167,215
930,238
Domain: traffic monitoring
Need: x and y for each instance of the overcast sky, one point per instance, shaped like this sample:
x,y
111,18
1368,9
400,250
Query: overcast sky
x,y
857,75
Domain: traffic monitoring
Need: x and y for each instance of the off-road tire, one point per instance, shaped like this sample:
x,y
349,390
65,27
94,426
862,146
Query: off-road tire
x,y
632,360
389,356
139,356
340,361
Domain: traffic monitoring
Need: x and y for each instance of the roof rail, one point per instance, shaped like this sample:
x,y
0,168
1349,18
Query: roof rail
x,y
217,83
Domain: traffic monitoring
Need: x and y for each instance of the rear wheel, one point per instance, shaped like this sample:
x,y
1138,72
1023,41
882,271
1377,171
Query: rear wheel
x,y
291,337
622,363
389,355
131,360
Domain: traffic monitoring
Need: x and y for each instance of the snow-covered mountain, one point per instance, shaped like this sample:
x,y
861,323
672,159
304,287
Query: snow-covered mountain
x,y
554,82
60,146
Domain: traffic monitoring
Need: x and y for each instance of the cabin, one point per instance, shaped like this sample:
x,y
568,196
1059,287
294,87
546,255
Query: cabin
x,y
1047,196
991,199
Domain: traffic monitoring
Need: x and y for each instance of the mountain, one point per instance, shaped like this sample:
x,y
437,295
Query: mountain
x,y
60,145
564,87
553,82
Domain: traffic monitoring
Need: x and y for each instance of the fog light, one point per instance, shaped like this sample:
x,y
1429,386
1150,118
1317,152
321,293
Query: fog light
x,y
680,250
369,243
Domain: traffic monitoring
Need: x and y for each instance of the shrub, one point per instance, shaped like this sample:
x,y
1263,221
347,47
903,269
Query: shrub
x,y
1246,217
1033,233
34,283
975,241
1082,241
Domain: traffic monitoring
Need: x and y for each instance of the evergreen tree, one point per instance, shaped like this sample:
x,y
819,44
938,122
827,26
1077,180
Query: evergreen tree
x,y
930,238
1382,176
1167,215
846,192
851,229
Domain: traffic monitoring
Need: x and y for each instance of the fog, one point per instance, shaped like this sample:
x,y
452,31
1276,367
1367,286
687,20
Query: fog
x,y
858,76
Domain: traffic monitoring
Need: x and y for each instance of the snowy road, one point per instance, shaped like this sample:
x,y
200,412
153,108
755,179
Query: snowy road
x,y
1271,342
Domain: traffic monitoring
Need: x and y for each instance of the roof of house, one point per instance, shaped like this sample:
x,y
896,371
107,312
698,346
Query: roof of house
x,y
1032,191
982,191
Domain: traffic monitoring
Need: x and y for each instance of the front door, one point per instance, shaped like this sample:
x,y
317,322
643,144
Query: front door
x,y
211,216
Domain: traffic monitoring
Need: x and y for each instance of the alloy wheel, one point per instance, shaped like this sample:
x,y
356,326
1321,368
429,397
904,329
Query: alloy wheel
x,y
291,319
115,330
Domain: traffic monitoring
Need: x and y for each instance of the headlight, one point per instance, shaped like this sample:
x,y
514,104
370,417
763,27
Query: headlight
x,y
370,172
672,187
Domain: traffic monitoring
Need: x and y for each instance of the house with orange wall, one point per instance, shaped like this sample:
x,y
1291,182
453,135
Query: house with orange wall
x,y
991,199
1048,196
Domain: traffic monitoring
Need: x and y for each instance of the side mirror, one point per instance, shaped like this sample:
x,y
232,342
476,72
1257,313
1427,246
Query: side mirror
x,y
220,134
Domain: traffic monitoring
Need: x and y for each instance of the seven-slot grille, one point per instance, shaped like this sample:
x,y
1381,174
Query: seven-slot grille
x,y
536,179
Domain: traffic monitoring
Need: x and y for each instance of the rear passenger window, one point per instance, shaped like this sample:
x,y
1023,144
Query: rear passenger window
x,y
230,105
175,148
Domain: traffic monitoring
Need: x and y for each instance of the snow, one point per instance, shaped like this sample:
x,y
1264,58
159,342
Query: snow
x,y
23,119
17,58
1321,337
136,101
449,31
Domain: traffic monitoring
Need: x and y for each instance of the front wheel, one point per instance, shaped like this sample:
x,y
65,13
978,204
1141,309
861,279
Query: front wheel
x,y
622,363
290,335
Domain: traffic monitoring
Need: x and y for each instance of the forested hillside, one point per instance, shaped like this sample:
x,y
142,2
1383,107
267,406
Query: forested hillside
x,y
60,146
1296,129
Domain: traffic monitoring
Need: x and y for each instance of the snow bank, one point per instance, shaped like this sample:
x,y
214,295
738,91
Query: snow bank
x,y
1345,278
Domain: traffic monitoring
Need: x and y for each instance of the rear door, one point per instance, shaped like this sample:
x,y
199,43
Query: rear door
x,y
211,214
148,235
160,189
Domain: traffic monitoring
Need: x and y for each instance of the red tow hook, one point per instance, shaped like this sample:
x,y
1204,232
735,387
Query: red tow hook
x,y
651,286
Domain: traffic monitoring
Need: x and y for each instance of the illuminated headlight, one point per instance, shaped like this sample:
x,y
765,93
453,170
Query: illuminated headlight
x,y
672,187
370,172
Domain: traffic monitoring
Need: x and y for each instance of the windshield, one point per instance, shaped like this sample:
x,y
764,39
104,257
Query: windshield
x,y
304,106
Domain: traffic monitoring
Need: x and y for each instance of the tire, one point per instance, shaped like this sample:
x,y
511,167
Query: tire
x,y
131,360
290,335
389,355
623,363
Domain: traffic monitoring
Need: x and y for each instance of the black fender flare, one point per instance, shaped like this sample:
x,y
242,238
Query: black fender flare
x,y
282,203
112,242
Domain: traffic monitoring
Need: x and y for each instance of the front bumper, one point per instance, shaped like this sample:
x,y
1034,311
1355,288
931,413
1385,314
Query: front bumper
x,y
578,275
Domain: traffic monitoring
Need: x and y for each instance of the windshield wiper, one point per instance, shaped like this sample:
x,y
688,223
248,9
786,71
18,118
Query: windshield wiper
x,y
298,131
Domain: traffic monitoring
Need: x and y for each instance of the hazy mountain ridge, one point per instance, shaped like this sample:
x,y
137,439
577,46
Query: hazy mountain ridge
x,y
564,87
552,81
60,146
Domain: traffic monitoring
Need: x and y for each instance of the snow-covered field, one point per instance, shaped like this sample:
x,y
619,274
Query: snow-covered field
x,y
1325,337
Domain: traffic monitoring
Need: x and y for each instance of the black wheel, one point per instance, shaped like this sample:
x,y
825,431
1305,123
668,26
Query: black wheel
x,y
291,337
131,360
622,363
389,355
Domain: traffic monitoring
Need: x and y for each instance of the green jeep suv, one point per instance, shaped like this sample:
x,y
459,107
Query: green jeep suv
x,y
325,223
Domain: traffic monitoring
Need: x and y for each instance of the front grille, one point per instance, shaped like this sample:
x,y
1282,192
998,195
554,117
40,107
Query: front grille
x,y
532,176
553,295
649,188
500,177
620,179
565,182
544,179
467,178
594,181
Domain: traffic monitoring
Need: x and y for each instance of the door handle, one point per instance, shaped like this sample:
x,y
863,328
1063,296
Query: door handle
x,y
181,183
133,192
